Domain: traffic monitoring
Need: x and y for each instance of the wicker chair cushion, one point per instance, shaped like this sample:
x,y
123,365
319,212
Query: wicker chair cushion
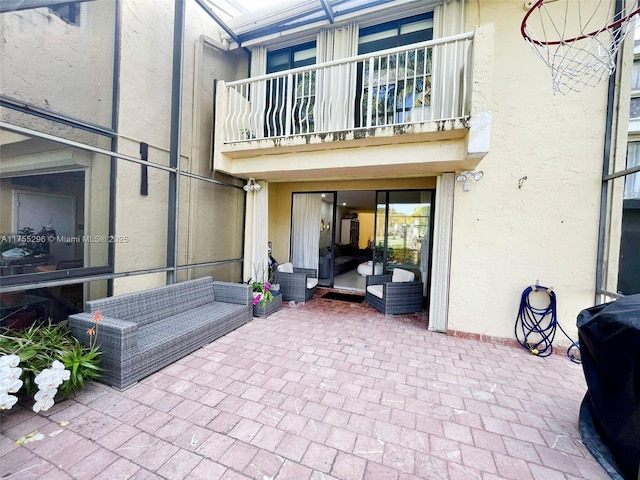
x,y
400,275
286,267
376,290
312,282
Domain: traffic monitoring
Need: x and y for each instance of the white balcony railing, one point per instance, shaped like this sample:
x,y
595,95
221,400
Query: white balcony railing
x,y
417,83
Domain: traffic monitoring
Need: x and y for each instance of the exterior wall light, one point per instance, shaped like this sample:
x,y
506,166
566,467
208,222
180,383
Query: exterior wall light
x,y
464,177
251,185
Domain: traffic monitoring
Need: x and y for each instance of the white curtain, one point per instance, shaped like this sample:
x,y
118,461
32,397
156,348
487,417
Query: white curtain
x,y
258,94
441,261
448,19
335,91
260,238
305,230
632,182
424,244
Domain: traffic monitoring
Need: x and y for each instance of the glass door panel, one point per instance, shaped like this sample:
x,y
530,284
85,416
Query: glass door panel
x,y
380,240
327,233
403,231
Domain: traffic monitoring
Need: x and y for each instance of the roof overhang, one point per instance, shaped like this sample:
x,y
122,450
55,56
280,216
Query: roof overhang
x,y
296,19
14,5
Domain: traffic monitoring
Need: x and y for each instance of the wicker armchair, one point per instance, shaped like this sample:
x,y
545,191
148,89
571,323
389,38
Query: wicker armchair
x,y
391,297
298,285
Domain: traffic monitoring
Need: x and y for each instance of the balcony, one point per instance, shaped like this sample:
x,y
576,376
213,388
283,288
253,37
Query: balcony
x,y
419,93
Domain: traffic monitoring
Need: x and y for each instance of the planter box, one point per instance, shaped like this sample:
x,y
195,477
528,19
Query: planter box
x,y
269,308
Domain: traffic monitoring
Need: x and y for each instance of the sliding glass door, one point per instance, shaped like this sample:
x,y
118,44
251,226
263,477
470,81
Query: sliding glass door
x,y
403,231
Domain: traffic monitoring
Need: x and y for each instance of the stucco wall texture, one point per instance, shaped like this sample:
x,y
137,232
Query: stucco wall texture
x,y
145,116
47,48
507,233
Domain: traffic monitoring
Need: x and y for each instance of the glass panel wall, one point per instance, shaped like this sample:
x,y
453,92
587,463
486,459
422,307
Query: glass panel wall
x,y
20,309
619,267
225,272
69,214
211,222
629,268
66,58
54,218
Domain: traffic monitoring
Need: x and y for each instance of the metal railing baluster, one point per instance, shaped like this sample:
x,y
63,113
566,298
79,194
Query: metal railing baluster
x,y
392,85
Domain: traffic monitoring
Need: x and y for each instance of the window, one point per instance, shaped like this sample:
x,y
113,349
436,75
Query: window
x,y
632,181
303,86
393,101
69,12
291,57
634,112
396,34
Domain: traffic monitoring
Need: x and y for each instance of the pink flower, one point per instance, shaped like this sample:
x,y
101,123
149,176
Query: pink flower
x,y
256,298
267,286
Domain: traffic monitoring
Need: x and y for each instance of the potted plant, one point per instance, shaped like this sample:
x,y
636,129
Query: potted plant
x,y
261,293
264,301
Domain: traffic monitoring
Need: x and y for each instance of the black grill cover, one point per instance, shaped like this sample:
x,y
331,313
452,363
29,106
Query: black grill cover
x,y
610,350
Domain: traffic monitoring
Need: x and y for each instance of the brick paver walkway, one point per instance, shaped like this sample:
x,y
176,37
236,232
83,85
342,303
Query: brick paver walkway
x,y
320,391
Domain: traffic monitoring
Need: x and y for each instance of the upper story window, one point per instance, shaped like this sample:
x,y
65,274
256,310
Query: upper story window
x,y
69,12
291,57
634,112
632,181
396,34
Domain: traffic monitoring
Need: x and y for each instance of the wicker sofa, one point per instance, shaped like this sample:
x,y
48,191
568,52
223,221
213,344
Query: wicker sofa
x,y
145,331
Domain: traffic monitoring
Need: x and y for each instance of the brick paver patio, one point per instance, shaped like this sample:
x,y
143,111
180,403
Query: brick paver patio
x,y
320,391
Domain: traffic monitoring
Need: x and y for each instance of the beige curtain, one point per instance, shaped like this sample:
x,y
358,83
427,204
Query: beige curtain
x,y
335,86
448,19
258,93
260,238
305,230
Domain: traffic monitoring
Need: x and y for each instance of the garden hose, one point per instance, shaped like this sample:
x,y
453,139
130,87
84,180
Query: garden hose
x,y
535,327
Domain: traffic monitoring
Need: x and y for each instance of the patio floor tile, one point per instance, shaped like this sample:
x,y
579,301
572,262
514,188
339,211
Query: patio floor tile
x,y
321,391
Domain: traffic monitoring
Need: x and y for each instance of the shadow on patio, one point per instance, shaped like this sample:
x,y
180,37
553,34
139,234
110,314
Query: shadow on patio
x,y
324,390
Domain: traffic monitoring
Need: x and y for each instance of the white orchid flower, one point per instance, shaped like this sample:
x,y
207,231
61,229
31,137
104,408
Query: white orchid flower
x,y
9,360
10,373
45,394
43,405
7,401
44,399
57,365
52,377
10,385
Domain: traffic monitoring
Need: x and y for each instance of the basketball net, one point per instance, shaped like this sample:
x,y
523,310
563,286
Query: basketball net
x,y
578,39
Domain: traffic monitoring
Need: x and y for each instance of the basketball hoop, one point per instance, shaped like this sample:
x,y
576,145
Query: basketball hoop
x,y
577,39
